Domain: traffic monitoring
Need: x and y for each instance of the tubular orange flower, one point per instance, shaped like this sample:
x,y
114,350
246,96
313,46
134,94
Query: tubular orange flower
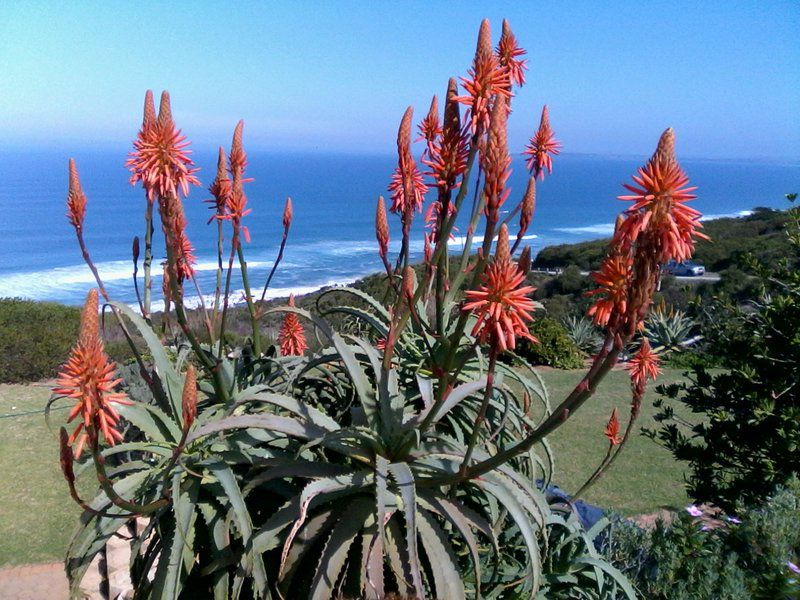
x,y
381,228
430,128
173,221
76,199
236,208
508,54
220,188
495,161
292,338
160,159
487,79
612,429
433,216
409,283
89,378
288,214
501,306
659,206
542,147
189,398
407,187
614,280
644,365
447,155
502,252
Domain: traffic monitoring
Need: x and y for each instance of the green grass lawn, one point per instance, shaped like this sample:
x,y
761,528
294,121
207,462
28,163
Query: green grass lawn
x,y
37,516
644,478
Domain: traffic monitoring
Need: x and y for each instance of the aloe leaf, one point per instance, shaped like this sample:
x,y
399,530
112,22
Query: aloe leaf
x,y
457,395
398,559
381,495
372,550
379,326
405,482
285,467
294,406
151,420
173,383
348,484
285,425
316,526
441,559
214,517
360,381
241,515
338,545
619,579
372,302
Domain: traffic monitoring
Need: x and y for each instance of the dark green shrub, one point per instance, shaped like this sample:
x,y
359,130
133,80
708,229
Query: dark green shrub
x,y
35,338
746,440
750,560
555,348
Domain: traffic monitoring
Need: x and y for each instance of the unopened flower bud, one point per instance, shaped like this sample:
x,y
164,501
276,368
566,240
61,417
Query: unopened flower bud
x,y
189,399
501,252
382,228
135,249
528,206
525,260
409,282
287,214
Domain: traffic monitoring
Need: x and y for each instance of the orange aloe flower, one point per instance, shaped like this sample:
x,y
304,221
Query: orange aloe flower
x,y
220,188
614,279
292,338
76,199
612,429
407,187
487,80
89,378
433,216
160,159
288,214
236,207
659,205
508,54
501,305
447,155
542,147
644,365
430,128
528,207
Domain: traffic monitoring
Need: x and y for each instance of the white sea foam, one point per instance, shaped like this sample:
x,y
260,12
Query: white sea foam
x,y
598,229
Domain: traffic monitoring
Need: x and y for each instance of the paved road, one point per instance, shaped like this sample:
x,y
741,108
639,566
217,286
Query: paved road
x,y
708,277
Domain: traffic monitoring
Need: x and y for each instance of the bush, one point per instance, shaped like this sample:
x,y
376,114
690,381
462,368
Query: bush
x,y
737,562
35,338
555,348
747,440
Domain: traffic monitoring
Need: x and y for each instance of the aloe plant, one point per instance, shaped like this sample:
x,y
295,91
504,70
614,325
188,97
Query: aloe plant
x,y
401,457
670,329
584,334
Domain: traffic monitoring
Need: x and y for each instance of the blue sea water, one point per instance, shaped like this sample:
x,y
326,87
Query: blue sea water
x,y
332,237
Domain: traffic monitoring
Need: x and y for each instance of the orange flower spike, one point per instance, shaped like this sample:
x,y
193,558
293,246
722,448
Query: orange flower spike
x,y
189,398
220,188
528,207
487,79
288,214
238,157
495,161
381,228
644,365
508,54
430,128
407,186
76,199
542,147
501,306
160,159
292,338
89,378
524,262
612,429
659,206
614,279
409,283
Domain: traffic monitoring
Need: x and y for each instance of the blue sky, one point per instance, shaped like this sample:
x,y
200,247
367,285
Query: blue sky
x,y
336,76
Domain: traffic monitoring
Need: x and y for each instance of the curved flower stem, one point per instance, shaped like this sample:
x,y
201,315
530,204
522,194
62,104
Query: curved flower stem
x,y
276,263
218,288
248,296
108,488
226,297
148,260
610,458
481,416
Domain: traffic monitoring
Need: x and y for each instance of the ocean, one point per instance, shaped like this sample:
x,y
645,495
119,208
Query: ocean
x,y
332,238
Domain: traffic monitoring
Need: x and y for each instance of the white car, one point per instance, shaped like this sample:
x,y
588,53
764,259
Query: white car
x,y
684,269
